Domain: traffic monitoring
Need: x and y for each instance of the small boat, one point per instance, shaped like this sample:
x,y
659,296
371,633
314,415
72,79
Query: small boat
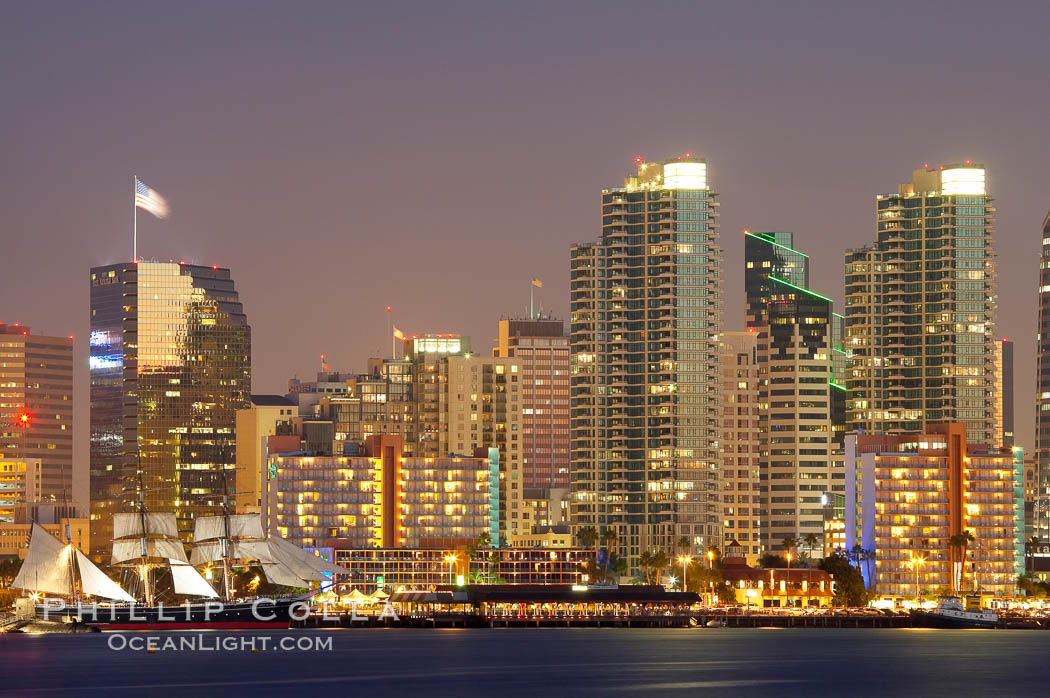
x,y
715,623
951,612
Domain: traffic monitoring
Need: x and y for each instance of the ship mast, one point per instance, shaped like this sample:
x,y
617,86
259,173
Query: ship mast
x,y
144,566
226,569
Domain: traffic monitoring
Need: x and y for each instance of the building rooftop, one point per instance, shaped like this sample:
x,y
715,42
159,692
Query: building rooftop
x,y
272,401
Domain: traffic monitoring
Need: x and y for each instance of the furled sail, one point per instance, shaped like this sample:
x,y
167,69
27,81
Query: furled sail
x,y
155,547
46,567
188,580
94,582
130,525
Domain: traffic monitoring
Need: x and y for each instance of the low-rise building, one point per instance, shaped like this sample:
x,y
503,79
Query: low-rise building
x,y
426,569
910,495
544,537
381,498
796,587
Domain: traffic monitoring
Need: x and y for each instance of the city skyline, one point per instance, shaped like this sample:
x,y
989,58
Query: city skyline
x,y
777,160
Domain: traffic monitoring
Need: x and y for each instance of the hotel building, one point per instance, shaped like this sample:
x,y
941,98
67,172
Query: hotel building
x,y
908,494
381,498
740,443
920,309
36,380
429,568
170,365
441,399
646,313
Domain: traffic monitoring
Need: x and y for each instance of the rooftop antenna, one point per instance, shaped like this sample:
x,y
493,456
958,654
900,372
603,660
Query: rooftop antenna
x,y
324,365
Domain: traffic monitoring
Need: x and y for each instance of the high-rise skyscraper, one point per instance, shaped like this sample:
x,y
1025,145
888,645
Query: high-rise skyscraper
x,y
920,309
170,366
36,381
1041,496
801,457
741,443
646,304
1004,393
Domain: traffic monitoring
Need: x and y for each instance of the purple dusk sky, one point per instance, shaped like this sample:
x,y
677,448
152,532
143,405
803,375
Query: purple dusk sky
x,y
342,156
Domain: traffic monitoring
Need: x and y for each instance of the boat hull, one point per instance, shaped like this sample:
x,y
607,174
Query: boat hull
x,y
195,616
933,619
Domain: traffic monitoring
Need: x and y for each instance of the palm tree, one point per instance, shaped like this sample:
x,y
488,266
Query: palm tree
x,y
660,562
685,544
588,536
645,561
811,541
787,544
608,538
960,541
484,540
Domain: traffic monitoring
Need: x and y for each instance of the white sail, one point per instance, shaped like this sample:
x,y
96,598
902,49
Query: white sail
x,y
131,549
207,528
211,551
46,567
251,550
130,525
246,526
276,573
203,553
188,580
303,564
94,582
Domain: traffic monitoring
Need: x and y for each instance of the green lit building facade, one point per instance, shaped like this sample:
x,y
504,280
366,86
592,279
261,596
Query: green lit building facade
x,y
800,403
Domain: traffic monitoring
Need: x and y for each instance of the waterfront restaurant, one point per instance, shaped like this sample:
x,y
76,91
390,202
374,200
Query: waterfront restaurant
x,y
548,601
775,588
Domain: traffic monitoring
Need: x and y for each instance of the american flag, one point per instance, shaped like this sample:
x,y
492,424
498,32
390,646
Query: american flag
x,y
150,200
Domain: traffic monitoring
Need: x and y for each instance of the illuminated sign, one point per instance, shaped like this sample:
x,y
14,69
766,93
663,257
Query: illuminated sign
x,y
962,180
685,175
99,338
97,363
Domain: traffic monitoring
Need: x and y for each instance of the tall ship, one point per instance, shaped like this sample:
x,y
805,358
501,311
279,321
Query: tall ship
x,y
65,585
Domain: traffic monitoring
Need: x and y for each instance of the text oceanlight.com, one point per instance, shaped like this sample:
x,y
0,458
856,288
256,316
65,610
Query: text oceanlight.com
x,y
208,642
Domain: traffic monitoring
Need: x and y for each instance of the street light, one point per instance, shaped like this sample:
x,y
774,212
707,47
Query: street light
x,y
685,560
789,559
711,585
451,559
916,563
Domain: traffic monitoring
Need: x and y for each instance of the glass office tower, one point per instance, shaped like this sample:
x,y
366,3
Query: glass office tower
x,y
170,365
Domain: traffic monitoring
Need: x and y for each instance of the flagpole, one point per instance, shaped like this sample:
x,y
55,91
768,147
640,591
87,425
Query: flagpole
x,y
390,329
135,219
532,291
